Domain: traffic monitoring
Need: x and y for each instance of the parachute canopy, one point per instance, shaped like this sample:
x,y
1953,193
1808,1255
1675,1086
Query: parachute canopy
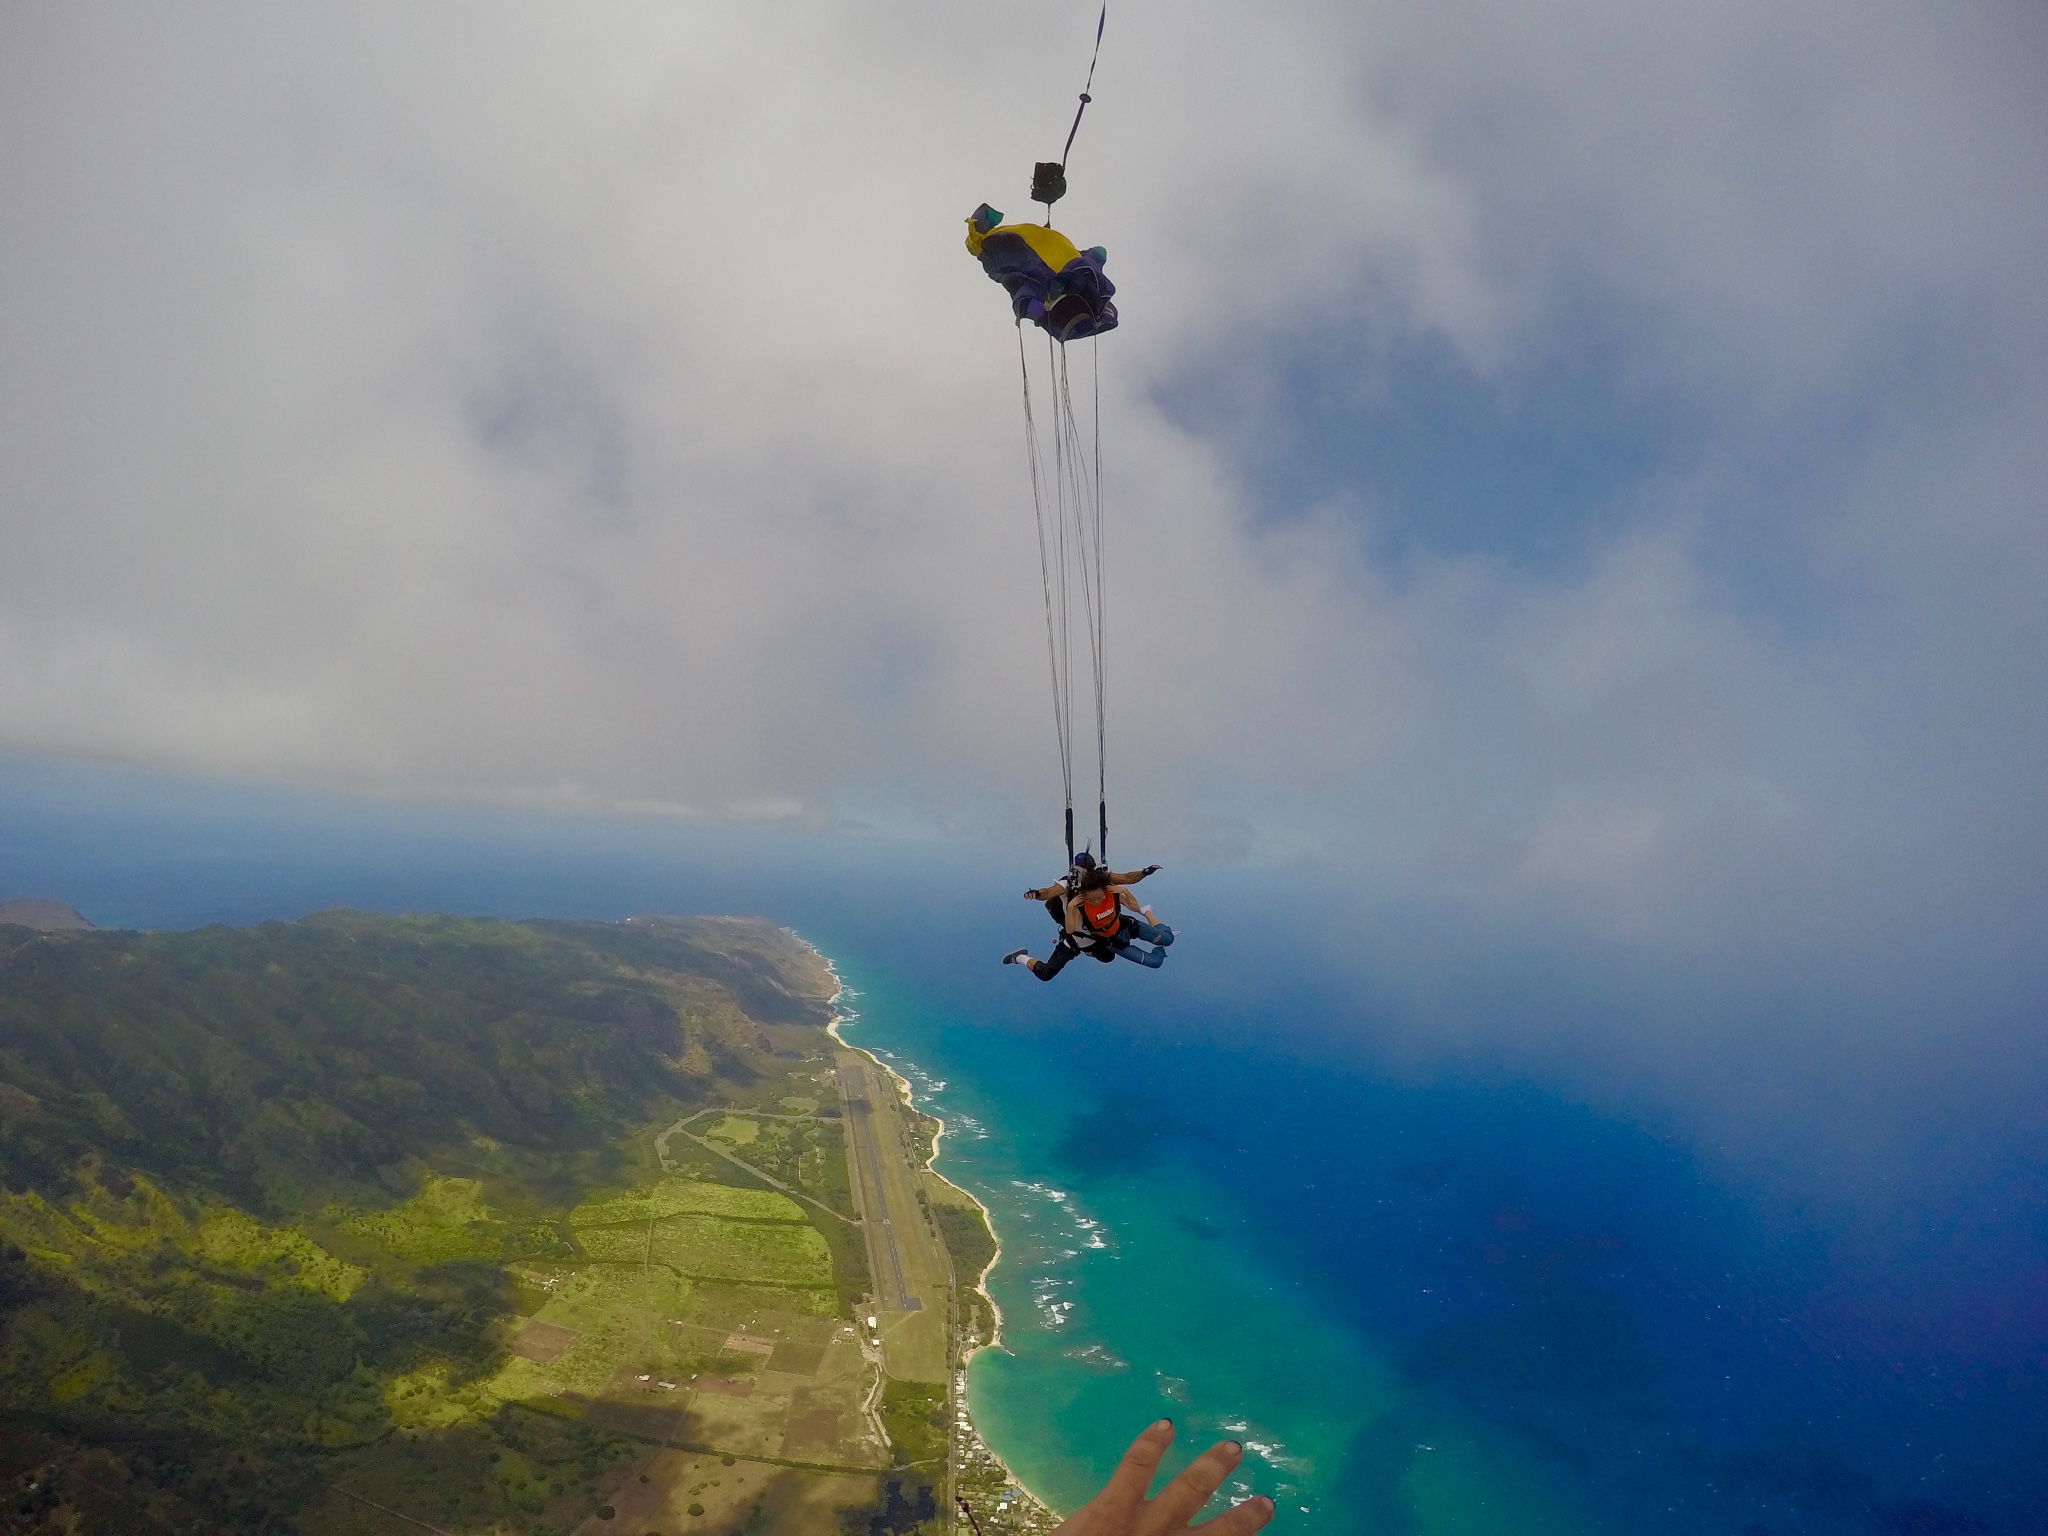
x,y
1062,290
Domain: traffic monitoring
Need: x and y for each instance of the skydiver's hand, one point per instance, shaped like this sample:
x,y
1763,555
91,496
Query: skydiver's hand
x,y
1151,869
1122,1509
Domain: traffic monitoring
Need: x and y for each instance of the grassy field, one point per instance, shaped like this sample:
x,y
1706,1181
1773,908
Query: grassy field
x,y
688,1197
763,1252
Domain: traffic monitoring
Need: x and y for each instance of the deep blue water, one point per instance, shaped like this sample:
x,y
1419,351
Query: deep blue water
x,y
1489,1291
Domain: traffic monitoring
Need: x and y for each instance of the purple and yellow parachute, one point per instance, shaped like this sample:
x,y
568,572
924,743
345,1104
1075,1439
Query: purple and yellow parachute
x,y
1062,290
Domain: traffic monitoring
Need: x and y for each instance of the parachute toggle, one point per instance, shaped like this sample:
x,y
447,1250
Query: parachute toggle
x,y
1060,289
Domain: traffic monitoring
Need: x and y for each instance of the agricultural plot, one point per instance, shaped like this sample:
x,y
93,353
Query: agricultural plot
x,y
689,1197
618,1316
763,1253
807,1155
614,1245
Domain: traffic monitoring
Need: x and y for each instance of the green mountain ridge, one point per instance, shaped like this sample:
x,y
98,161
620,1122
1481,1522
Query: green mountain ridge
x,y
333,1055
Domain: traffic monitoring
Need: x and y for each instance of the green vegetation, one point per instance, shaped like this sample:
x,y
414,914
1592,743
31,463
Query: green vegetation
x,y
964,1230
444,1222
807,1155
300,1220
914,1414
764,1253
972,1247
850,1272
687,1197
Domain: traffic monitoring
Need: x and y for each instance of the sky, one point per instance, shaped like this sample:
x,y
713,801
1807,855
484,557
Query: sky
x,y
1574,470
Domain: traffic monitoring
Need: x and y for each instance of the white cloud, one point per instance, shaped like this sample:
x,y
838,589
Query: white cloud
x,y
595,406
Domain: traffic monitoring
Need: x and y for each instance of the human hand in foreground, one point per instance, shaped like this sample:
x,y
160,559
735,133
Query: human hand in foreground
x,y
1122,1509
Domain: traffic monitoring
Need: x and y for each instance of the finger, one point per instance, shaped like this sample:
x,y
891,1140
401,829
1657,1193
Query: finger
x,y
1133,1475
1241,1519
1179,1499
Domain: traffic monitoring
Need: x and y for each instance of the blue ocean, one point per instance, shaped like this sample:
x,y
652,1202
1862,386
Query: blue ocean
x,y
1491,1285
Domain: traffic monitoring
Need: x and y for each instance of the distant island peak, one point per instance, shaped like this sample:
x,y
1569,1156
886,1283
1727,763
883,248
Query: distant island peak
x,y
41,914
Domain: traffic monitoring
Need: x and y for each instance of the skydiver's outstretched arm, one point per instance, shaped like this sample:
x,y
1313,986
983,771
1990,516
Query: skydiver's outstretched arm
x,y
1134,876
1122,1509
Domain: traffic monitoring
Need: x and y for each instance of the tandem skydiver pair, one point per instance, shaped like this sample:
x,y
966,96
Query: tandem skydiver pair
x,y
1064,292
1097,917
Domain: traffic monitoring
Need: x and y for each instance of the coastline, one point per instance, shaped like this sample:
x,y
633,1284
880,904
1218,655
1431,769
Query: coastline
x,y
907,1094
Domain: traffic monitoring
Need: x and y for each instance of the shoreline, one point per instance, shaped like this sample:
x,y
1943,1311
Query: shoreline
x,y
907,1094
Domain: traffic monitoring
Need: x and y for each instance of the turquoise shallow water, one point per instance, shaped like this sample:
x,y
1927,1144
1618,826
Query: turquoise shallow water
x,y
1431,1302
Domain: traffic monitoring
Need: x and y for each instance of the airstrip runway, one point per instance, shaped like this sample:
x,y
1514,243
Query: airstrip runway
x,y
871,1190
912,1275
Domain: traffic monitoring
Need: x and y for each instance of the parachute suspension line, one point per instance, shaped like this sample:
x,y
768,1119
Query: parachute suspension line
x,y
1051,558
1079,493
1101,608
1066,548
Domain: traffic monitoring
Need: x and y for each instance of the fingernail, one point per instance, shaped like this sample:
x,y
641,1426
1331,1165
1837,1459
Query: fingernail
x,y
1164,1424
1236,1447
1264,1503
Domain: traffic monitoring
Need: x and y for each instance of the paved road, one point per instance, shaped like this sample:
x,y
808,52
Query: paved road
x,y
871,1189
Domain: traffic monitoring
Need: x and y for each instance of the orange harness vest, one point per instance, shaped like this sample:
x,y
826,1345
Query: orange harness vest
x,y
1103,918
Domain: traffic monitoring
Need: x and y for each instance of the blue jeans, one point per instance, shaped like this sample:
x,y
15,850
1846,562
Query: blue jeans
x,y
1152,933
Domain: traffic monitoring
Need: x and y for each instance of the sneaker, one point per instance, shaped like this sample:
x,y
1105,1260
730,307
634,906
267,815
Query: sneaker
x,y
1015,955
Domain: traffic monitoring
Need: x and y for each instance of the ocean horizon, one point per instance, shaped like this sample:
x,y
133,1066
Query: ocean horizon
x,y
1485,1289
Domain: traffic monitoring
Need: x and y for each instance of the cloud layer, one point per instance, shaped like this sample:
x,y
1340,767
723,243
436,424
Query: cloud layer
x,y
595,406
